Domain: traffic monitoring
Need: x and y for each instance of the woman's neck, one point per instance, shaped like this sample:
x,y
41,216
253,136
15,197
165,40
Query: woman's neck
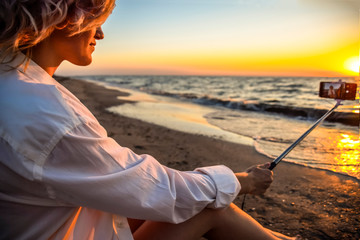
x,y
43,55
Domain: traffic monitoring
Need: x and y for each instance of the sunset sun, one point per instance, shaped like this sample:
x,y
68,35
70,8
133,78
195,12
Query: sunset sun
x,y
352,64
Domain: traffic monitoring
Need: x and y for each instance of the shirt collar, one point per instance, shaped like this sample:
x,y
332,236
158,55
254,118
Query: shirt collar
x,y
32,70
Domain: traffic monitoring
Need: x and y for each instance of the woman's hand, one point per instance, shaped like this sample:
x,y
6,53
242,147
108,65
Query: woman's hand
x,y
256,179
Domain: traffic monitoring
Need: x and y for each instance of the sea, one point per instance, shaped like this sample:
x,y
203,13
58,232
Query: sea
x,y
269,113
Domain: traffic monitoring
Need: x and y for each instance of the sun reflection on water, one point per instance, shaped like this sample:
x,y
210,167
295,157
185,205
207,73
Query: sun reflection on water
x,y
348,154
356,109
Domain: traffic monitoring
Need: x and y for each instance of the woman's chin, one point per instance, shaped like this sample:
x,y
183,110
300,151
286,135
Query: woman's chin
x,y
82,62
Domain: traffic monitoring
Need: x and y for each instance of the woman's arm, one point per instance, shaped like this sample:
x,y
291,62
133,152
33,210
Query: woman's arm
x,y
86,168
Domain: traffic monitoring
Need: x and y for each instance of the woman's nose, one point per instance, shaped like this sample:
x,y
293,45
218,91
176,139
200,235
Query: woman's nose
x,y
99,34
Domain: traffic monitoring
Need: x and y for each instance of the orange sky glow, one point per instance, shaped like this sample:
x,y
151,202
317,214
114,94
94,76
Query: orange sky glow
x,y
292,38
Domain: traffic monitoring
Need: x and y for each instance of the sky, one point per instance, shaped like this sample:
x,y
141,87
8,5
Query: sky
x,y
228,37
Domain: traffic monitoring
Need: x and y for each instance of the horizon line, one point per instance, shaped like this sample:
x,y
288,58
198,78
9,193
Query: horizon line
x,y
208,75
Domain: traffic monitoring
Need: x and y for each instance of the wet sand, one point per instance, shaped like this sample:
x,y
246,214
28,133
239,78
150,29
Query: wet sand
x,y
313,203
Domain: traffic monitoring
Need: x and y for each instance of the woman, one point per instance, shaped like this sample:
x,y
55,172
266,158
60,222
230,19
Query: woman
x,y
331,92
63,178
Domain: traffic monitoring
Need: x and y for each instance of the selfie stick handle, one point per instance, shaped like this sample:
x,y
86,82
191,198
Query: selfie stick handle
x,y
278,159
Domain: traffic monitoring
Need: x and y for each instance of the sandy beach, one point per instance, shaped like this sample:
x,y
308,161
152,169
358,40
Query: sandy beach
x,y
313,203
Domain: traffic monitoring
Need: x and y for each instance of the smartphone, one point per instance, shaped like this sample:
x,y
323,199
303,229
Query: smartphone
x,y
338,90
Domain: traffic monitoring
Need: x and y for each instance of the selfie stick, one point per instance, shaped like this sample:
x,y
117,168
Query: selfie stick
x,y
278,159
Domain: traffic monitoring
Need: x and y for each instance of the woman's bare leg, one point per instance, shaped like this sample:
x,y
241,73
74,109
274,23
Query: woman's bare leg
x,y
135,224
229,223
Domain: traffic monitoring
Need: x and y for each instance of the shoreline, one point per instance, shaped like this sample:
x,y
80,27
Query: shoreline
x,y
296,203
141,105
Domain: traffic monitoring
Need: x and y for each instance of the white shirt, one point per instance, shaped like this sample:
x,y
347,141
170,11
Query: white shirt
x,y
61,177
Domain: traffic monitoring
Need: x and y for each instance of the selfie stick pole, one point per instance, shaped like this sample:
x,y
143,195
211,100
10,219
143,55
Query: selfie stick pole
x,y
278,159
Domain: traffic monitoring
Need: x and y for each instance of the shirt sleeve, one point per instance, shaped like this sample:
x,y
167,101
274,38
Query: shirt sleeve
x,y
87,168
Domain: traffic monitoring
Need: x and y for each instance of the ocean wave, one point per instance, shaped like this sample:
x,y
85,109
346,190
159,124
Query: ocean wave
x,y
271,106
290,97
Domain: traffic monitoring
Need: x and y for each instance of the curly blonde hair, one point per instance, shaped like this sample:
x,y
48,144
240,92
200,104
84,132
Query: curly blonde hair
x,y
25,23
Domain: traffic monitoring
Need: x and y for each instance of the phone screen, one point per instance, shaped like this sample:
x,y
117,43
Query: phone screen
x,y
338,90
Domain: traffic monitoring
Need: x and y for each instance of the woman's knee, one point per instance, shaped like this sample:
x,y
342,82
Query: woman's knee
x,y
220,215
